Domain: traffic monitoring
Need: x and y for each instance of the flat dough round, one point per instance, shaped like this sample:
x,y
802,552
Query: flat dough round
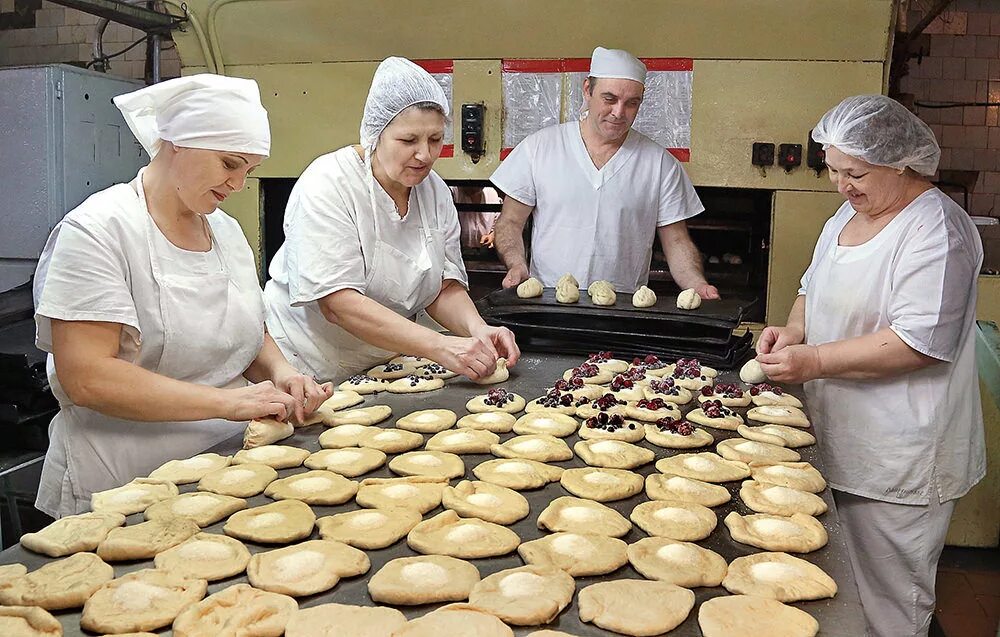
x,y
420,493
778,576
455,619
766,394
798,533
552,423
28,621
261,432
540,447
729,420
132,497
427,421
635,607
613,454
613,427
753,451
669,391
667,435
191,469
498,399
662,486
705,466
206,556
777,500
780,435
343,619
360,416
239,481
65,583
438,371
237,610
72,534
426,579
601,485
391,371
498,422
576,515
323,488
142,600
461,441
390,440
746,616
415,383
579,554
274,456
280,522
779,415
344,436
339,400
363,384
369,529
675,519
350,462
201,507
524,596
590,373
681,563
794,475
646,410
475,499
435,464
11,571
519,474
143,541
307,568
554,401
410,360
466,538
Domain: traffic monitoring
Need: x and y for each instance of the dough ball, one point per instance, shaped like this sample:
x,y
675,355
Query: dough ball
x,y
644,297
499,375
568,279
688,300
567,292
604,295
530,289
597,285
751,373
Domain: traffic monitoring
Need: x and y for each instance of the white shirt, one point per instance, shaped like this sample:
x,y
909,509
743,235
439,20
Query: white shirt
x,y
595,224
912,436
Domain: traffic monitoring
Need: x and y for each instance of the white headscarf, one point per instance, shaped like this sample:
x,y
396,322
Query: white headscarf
x,y
398,83
207,111
617,64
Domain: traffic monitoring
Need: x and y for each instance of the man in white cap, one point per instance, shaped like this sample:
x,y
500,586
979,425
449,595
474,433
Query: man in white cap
x,y
599,191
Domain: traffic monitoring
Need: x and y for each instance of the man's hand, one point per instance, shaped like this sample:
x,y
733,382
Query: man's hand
x,y
793,364
707,291
515,276
487,239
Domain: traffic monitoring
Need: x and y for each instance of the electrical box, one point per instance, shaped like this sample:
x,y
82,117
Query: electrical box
x,y
815,155
789,156
762,154
472,129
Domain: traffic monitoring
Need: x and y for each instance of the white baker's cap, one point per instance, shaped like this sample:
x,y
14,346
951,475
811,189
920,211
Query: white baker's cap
x,y
617,64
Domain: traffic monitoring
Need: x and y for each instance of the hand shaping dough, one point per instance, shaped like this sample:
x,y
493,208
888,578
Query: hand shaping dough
x,y
323,488
552,423
237,610
778,435
307,568
420,493
799,533
738,615
351,462
524,596
142,600
341,619
579,554
776,500
576,515
463,441
635,607
415,383
497,422
794,475
540,447
72,534
274,456
567,292
681,563
426,579
714,414
427,421
752,451
688,300
498,399
132,497
369,529
530,289
266,431
345,436
466,538
518,474
388,440
455,619
239,481
435,464
360,416
489,502
670,434
191,469
779,415
206,556
613,454
705,466
280,522
203,508
660,486
28,621
644,297
751,373
363,384
499,375
62,584
601,485
778,576
143,541
675,519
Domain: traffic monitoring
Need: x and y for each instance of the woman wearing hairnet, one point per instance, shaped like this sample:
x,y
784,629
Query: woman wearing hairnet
x,y
372,238
146,297
882,333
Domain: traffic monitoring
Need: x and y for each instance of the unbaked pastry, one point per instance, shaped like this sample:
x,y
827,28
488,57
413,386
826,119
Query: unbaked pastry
x,y
644,297
467,538
139,601
498,399
144,540
729,394
752,451
713,413
652,409
237,610
601,485
274,456
191,469
676,519
389,440
611,427
455,619
420,493
798,533
369,529
540,447
363,384
343,619
351,462
427,421
779,415
476,499
613,454
794,475
778,435
603,294
497,422
751,373
736,615
499,375
415,383
390,371
524,596
360,416
705,466
72,534
206,556
428,463
554,401
425,579
323,488
337,401
203,508
411,361
576,515
463,441
307,568
579,554
239,481
28,621
132,497
777,500
570,279
669,390
280,522
681,563
345,436
65,583
677,434
10,571
662,486
764,394
517,474
688,300
266,431
437,371
635,607
567,292
778,576
529,289
552,423
590,374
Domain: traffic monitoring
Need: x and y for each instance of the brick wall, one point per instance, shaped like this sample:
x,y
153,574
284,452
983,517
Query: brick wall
x,y
39,32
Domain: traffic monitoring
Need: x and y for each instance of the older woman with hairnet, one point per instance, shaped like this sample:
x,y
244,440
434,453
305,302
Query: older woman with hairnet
x,y
146,297
882,333
371,239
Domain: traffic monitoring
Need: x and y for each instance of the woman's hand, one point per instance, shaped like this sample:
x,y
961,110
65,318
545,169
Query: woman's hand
x,y
260,400
308,393
474,356
792,364
774,339
503,342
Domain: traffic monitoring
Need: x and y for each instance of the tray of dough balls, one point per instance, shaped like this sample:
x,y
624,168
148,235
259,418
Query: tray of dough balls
x,y
571,496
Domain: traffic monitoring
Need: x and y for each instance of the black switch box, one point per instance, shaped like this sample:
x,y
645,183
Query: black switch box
x,y
762,154
790,156
472,128
815,155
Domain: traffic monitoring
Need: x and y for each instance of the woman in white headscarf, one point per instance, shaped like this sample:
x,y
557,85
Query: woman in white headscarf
x,y
146,297
883,335
371,239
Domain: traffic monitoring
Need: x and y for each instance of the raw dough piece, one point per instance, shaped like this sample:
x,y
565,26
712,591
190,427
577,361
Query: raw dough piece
x,y
729,394
190,470
415,383
604,295
499,375
390,440
518,474
206,556
799,533
777,500
475,499
420,493
779,415
751,373
576,515
497,422
369,529
794,475
360,416
713,413
10,571
72,534
530,288
601,485
661,486
307,568
204,509
778,435
467,538
62,584
239,481
579,554
323,488
681,563
552,423
28,621
669,391
427,421
339,400
266,431
691,374
437,371
540,447
554,401
435,464
426,579
746,616
752,451
498,399
705,466
274,456
567,292
351,462
345,436
143,600
132,497
635,607
578,388
644,297
144,540
524,596
612,427
280,522
778,576
363,384
652,410
668,434
463,441
390,371
409,360
568,278
455,619
590,374
675,519
236,611
549,633
613,454
764,394
688,300
329,620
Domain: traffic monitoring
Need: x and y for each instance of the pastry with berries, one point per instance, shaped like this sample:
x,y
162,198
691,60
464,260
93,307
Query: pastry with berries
x,y
677,433
415,383
713,413
668,389
653,365
608,403
729,394
763,394
606,361
498,399
689,373
363,384
590,373
606,426
652,410
554,401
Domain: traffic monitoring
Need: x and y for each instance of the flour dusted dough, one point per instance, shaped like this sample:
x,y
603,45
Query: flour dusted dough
x,y
420,493
753,451
72,534
746,616
635,607
517,474
661,486
751,372
344,436
603,294
350,462
645,414
10,571
777,500
323,488
601,485
770,397
65,583
681,563
427,421
307,568
540,447
576,515
728,395
705,466
389,440
597,428
475,499
239,481
237,611
191,469
729,421
435,464
524,596
468,538
280,522
461,441
778,576
499,375
579,554
390,371
497,422
415,383
675,519
342,619
550,422
613,454
530,288
266,431
274,456
567,292
28,621
426,579
369,529
206,556
339,400
779,415
455,619
203,508
132,497
497,400
143,541
778,435
798,533
644,297
360,416
142,600
794,475
668,439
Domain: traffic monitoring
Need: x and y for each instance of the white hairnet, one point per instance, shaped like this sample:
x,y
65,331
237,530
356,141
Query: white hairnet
x,y
880,131
398,84
617,64
207,111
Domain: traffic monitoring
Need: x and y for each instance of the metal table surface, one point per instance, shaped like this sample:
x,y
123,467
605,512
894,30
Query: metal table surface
x,y
840,616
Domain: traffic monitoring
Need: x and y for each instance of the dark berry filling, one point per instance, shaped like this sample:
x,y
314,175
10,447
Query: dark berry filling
x,y
726,390
756,390
607,401
607,422
498,397
666,387
688,368
360,379
587,370
715,409
392,367
651,404
600,357
675,426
